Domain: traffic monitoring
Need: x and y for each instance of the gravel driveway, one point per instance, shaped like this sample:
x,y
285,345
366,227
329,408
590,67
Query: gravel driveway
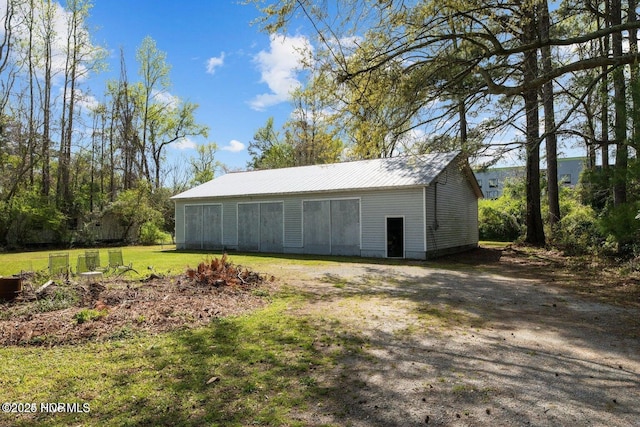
x,y
467,347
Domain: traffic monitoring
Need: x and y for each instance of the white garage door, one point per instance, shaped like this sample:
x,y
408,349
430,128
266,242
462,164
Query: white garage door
x,y
331,227
260,226
203,226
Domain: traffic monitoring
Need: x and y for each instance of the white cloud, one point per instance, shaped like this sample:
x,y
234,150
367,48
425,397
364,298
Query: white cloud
x,y
87,101
279,69
347,45
234,146
184,144
215,62
164,97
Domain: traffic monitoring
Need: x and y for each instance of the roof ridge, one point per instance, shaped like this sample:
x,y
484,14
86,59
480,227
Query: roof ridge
x,y
341,176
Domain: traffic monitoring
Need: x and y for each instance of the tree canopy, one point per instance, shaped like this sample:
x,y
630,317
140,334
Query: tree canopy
x,y
67,155
427,72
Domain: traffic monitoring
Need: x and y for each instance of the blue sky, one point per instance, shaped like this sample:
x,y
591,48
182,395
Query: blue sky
x,y
238,75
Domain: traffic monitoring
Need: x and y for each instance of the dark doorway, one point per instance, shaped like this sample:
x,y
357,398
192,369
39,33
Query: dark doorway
x,y
395,237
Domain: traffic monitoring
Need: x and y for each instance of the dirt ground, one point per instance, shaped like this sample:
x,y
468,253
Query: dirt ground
x,y
122,307
497,338
491,337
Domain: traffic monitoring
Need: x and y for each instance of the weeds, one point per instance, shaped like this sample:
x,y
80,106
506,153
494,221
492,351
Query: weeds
x,y
63,297
89,314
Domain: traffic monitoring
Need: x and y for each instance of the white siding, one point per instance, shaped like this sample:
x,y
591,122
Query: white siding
x,y
455,223
378,205
179,228
293,222
230,224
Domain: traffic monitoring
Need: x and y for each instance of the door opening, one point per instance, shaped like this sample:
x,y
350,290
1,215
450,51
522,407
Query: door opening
x,y
395,237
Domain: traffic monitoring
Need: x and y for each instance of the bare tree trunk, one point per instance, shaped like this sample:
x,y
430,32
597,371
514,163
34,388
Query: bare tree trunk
x,y
604,94
635,77
112,172
6,78
46,107
620,104
32,78
62,188
549,121
535,228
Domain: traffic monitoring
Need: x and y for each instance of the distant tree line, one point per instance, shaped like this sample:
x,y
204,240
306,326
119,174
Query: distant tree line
x,y
69,157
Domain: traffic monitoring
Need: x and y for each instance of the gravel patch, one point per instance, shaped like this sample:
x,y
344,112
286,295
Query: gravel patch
x,y
466,347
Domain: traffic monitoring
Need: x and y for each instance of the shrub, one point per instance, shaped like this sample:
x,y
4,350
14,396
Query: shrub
x,y
578,231
619,223
150,234
497,224
502,219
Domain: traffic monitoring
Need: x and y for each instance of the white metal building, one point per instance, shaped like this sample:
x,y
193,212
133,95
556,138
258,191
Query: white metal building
x,y
401,207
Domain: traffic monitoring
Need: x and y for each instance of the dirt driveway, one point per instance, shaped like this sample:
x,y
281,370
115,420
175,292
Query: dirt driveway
x,y
470,346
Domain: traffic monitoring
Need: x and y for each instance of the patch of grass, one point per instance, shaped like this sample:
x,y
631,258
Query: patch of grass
x,y
247,370
494,245
89,315
63,297
446,316
163,259
260,292
461,389
123,333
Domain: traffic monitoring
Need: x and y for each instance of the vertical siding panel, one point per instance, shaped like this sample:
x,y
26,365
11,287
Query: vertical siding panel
x,y
293,222
377,205
431,224
230,223
455,223
179,227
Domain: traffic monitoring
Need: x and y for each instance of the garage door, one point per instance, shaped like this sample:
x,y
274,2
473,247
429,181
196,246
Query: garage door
x,y
212,227
345,227
331,227
317,227
271,227
203,226
260,227
193,227
249,226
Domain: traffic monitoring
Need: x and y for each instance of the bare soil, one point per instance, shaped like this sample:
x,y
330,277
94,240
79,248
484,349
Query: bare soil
x,y
123,308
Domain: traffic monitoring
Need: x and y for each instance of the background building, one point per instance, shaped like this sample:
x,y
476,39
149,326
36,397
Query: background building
x,y
492,180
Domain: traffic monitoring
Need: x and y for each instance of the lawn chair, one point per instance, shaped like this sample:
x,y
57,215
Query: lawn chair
x,y
117,264
59,264
92,257
84,268
81,265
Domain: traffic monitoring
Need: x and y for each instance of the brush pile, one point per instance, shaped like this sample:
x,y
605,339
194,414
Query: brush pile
x,y
221,272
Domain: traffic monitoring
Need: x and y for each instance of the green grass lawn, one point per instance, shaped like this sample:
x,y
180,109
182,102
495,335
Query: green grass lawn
x,y
249,370
261,368
167,260
255,369
162,259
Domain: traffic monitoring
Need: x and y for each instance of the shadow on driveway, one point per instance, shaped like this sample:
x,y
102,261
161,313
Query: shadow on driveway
x,y
465,347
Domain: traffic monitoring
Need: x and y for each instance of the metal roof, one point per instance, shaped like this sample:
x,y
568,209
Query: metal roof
x,y
403,171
